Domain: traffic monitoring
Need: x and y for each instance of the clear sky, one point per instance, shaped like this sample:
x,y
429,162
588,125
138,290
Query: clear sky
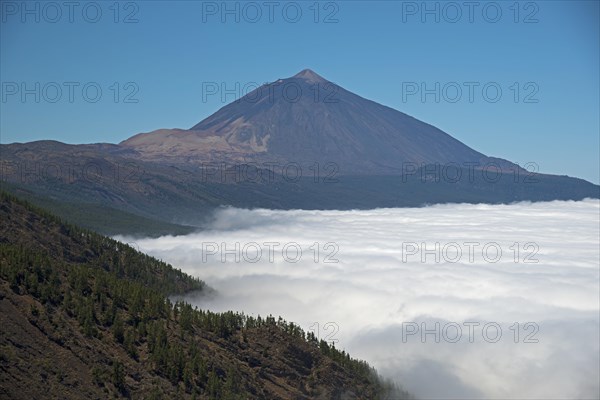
x,y
543,56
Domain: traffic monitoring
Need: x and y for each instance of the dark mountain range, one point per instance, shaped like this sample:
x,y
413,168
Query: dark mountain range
x,y
300,142
84,316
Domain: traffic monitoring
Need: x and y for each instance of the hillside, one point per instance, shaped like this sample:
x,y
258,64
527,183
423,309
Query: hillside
x,y
101,217
84,316
165,199
307,119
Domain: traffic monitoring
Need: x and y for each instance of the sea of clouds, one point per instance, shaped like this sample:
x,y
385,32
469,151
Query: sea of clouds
x,y
508,310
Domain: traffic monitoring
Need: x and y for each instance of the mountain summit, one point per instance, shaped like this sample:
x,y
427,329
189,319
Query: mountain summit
x,y
307,119
310,76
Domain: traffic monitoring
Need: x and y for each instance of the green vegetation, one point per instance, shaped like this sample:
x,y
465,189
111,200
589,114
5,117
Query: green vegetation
x,y
115,296
100,218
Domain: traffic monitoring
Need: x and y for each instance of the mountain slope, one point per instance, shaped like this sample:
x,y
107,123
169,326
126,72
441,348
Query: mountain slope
x,y
84,316
101,217
306,119
163,194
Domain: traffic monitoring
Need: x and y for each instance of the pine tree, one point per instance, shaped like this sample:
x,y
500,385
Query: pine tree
x,y
118,330
118,376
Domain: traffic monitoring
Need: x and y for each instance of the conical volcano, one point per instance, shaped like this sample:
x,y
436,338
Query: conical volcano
x,y
307,119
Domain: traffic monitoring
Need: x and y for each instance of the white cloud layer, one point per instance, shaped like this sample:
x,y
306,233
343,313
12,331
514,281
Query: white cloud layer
x,y
380,290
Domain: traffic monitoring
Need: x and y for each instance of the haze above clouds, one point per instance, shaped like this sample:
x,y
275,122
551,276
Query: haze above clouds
x,y
381,289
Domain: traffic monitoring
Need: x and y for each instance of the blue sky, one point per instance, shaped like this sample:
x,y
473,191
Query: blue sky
x,y
543,56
